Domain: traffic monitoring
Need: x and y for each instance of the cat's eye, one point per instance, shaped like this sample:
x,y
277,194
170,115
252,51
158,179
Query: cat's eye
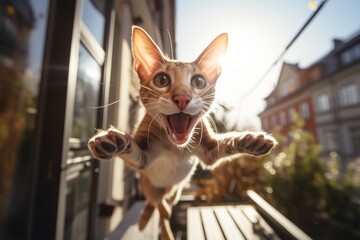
x,y
198,81
162,80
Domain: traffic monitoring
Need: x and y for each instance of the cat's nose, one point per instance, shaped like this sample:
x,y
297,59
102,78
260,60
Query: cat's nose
x,y
182,101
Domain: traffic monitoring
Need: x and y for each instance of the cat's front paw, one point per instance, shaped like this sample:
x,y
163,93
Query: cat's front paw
x,y
257,144
108,143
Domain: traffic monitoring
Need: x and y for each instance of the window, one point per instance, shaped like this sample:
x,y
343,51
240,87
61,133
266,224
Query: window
x,y
304,109
357,51
283,118
288,86
349,95
94,19
87,96
323,103
266,124
271,101
273,121
347,57
351,55
355,135
330,140
292,114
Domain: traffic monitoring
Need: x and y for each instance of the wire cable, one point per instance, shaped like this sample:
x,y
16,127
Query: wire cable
x,y
285,50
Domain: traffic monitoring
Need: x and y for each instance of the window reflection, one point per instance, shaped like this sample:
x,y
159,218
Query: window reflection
x,y
87,95
93,16
22,39
78,187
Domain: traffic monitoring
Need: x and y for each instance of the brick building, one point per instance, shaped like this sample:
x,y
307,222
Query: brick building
x,y
326,95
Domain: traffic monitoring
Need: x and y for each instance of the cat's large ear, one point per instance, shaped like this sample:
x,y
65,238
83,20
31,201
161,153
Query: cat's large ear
x,y
210,59
147,55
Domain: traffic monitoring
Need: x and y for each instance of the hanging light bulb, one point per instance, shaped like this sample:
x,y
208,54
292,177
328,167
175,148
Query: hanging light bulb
x,y
312,4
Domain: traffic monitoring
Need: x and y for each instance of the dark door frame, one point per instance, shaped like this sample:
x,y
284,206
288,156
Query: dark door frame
x,y
56,101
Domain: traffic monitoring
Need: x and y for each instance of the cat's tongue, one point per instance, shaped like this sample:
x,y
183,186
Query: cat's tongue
x,y
179,123
179,126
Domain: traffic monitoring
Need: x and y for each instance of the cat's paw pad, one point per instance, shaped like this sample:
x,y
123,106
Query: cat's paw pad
x,y
254,144
106,144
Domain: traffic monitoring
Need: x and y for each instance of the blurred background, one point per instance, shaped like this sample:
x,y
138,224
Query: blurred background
x,y
292,69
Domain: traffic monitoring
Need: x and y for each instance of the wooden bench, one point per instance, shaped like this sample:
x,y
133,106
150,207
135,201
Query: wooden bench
x,y
227,222
276,218
239,222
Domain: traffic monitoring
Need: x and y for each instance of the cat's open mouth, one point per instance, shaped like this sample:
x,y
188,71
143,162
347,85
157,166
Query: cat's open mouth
x,y
179,126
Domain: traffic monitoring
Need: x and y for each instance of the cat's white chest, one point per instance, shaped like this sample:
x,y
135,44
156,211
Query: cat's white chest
x,y
169,166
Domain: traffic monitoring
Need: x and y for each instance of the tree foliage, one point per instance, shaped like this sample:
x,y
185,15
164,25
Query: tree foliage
x,y
294,179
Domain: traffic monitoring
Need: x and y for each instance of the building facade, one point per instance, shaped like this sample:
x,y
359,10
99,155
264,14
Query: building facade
x,y
326,95
63,66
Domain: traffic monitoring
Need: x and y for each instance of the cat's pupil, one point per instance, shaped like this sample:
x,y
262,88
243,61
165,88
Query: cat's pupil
x,y
198,81
162,80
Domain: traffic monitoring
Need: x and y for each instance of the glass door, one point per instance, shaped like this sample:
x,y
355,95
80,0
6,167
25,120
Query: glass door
x,y
78,207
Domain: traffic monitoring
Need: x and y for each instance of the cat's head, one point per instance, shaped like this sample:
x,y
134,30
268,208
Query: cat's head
x,y
175,93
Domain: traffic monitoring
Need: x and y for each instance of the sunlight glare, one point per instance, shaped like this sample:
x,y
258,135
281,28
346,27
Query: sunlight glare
x,y
240,65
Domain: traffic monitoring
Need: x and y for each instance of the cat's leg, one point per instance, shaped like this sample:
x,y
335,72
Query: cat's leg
x,y
113,142
227,145
146,215
166,233
164,209
253,143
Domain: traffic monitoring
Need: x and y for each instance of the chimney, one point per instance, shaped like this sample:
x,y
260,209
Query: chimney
x,y
337,42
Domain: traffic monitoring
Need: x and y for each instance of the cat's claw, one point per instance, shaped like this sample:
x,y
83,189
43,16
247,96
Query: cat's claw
x,y
106,144
257,145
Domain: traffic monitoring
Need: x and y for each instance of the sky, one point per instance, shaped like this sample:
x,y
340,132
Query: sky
x,y
259,31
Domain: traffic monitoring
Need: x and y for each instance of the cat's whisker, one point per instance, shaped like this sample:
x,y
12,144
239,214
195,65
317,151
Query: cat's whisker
x,y
148,135
205,94
106,105
224,106
210,87
212,122
171,44
149,104
208,97
207,104
188,148
201,131
150,95
149,89
150,99
206,109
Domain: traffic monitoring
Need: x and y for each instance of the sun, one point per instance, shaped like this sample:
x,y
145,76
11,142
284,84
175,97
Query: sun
x,y
240,64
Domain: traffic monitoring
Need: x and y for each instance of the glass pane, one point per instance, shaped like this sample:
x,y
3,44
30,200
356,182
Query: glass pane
x,y
78,189
22,39
93,16
87,96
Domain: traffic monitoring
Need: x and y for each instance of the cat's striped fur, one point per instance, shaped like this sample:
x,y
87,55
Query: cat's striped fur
x,y
174,136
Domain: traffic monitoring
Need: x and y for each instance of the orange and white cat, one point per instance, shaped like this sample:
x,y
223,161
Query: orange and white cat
x,y
177,97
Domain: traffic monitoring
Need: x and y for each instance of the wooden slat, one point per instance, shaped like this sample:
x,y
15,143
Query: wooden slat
x,y
243,223
211,226
277,217
194,225
231,231
249,214
255,218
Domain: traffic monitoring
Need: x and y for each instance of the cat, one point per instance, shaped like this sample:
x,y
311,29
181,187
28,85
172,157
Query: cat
x,y
177,97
